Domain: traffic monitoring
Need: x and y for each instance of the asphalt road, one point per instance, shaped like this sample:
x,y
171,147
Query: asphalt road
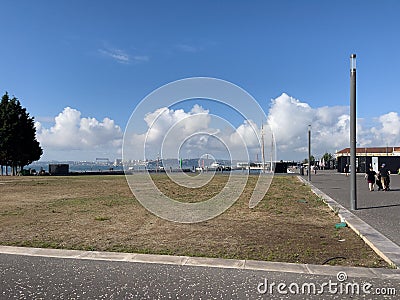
x,y
32,277
379,209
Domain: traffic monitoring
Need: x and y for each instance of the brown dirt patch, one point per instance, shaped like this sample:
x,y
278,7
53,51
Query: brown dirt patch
x,y
290,224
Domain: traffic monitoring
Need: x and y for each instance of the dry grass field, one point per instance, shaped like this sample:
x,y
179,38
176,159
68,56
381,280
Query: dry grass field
x,y
100,213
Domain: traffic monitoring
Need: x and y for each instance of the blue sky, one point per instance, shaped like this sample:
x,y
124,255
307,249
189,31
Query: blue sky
x,y
101,58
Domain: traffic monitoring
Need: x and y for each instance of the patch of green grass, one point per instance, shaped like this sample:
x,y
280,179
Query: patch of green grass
x,y
71,202
84,211
129,249
17,212
112,200
36,244
102,218
88,248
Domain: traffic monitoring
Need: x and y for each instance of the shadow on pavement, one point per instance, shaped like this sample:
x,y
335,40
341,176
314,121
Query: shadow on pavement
x,y
379,206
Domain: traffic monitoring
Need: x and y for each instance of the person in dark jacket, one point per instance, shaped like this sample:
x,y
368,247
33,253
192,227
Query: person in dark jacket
x,y
385,173
379,182
370,177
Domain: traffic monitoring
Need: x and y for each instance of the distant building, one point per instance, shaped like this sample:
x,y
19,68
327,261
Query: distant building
x,y
118,162
59,169
102,160
370,157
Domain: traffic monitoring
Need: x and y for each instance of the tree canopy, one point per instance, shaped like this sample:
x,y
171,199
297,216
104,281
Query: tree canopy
x,y
18,144
305,161
327,157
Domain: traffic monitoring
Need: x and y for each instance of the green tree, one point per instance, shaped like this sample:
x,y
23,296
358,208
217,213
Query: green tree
x,y
327,156
329,160
312,158
5,130
305,161
18,144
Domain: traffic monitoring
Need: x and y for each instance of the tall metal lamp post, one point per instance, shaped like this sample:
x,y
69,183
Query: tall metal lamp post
x,y
309,152
353,133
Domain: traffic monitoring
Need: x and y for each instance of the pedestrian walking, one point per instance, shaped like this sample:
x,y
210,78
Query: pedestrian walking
x,y
384,172
379,181
370,176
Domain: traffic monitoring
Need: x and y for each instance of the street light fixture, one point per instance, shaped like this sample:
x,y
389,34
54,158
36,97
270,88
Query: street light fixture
x,y
309,152
353,133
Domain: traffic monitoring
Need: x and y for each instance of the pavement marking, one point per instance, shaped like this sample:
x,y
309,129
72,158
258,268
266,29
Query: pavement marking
x,y
384,247
310,269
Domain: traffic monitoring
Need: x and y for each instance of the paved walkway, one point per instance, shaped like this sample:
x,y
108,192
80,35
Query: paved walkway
x,y
29,273
377,218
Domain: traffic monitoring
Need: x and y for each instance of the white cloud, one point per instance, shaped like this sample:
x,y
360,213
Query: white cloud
x,y
73,132
182,123
116,54
198,131
177,133
330,128
169,129
122,56
248,132
388,130
289,119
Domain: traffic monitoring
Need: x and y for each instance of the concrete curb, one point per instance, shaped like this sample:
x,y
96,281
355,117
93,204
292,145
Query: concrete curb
x,y
385,248
355,272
